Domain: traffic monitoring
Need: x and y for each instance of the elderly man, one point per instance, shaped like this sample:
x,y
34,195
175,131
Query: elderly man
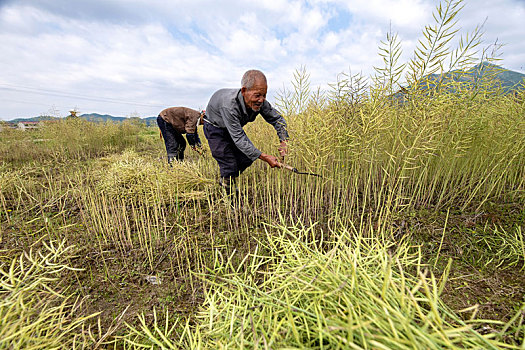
x,y
227,112
175,121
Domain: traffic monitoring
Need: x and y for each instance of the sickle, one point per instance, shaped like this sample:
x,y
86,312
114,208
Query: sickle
x,y
294,170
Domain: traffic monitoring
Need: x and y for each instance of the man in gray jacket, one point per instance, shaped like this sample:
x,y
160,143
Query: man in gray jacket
x,y
226,114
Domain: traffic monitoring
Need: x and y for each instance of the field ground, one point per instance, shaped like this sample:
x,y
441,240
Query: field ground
x,y
453,236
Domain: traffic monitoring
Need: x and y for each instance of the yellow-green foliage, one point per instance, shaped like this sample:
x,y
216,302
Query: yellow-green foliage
x,y
392,165
16,186
80,138
67,139
131,176
6,179
34,313
353,293
436,149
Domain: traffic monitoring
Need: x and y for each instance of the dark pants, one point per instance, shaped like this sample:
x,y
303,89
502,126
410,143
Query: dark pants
x,y
232,162
174,141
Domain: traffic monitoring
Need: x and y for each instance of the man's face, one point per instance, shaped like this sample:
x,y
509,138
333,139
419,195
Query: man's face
x,y
255,97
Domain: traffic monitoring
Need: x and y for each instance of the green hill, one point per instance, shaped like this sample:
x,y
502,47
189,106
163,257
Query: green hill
x,y
508,80
34,119
92,117
95,117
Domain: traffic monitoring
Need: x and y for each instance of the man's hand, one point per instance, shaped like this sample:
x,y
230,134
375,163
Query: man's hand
x,y
271,160
198,149
283,149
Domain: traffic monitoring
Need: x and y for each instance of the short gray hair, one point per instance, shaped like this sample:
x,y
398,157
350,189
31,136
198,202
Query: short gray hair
x,y
249,78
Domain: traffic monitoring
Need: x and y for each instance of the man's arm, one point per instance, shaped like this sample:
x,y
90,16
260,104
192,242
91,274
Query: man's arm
x,y
271,160
192,117
273,117
193,140
239,137
243,142
190,126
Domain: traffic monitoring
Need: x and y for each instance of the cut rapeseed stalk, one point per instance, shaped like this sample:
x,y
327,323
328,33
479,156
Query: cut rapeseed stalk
x,y
33,312
354,295
130,176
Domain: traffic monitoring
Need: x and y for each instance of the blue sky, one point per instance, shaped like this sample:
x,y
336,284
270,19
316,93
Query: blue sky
x,y
136,57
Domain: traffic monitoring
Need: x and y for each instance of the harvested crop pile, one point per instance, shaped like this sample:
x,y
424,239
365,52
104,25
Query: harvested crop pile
x,y
131,176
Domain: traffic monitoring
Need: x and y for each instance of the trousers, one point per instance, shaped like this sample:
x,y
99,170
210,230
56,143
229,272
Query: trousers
x,y
173,140
232,162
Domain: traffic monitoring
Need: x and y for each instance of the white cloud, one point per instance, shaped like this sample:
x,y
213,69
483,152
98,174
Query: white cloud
x,y
410,14
162,53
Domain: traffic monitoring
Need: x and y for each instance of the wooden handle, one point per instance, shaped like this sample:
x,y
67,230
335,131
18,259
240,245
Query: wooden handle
x,y
286,166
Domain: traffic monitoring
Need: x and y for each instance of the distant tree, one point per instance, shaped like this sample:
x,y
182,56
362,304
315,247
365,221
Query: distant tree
x,y
52,113
134,119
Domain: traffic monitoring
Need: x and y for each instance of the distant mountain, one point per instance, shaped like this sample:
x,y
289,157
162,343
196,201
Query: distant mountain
x,y
95,117
92,117
508,80
150,121
34,119
479,75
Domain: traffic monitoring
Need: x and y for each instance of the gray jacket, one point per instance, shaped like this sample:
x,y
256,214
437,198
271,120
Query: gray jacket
x,y
227,110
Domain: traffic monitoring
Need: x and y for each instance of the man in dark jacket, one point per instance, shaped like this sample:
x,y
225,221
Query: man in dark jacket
x,y
175,121
226,114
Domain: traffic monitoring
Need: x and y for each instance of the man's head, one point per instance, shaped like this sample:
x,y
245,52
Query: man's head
x,y
253,89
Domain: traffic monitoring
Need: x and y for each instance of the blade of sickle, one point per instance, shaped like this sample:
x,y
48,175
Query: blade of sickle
x,y
294,170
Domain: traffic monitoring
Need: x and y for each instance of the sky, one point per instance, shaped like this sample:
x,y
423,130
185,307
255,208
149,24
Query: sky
x,y
136,57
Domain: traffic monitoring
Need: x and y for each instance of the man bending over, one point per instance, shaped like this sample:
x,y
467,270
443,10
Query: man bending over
x,y
226,114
